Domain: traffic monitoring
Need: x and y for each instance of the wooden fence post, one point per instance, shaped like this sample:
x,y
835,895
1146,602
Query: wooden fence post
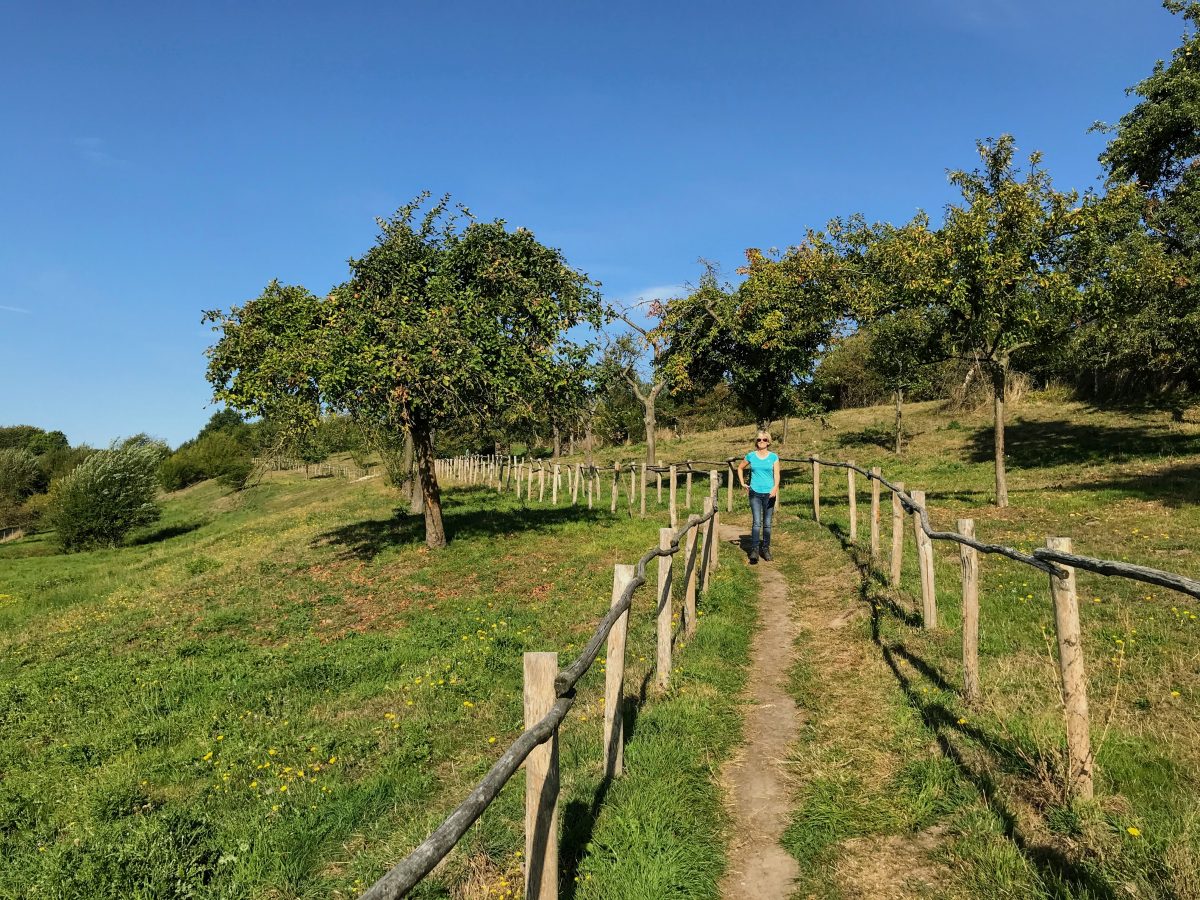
x,y
969,557
875,476
672,498
541,483
642,512
591,483
729,489
852,494
658,481
554,486
924,565
529,483
575,484
541,782
1080,764
687,496
714,480
816,473
710,548
615,485
663,664
689,571
897,535
614,678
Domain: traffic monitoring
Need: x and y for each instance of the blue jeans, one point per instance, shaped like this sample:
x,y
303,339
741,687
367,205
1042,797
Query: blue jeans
x,y
762,508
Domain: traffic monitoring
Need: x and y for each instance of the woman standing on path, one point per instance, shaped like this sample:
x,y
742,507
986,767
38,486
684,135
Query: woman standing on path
x,y
763,488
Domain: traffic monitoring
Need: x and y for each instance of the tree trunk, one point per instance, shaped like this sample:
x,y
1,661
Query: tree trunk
x,y
571,444
999,381
899,395
649,421
435,531
588,441
557,443
411,486
783,438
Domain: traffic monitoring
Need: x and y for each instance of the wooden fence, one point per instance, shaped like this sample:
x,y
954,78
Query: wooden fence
x,y
319,470
11,534
549,694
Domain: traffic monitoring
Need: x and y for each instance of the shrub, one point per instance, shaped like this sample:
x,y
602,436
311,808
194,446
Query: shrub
x,y
19,475
108,495
217,454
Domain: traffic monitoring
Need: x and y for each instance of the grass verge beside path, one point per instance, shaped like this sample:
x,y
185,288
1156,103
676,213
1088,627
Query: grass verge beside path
x,y
278,694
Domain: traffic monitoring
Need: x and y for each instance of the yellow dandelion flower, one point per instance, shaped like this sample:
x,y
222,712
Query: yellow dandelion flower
x,y
1134,832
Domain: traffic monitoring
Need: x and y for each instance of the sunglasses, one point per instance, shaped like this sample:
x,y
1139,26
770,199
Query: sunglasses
x,y
761,441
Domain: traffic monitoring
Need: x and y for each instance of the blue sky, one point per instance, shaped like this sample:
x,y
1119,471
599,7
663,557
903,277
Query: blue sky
x,y
162,159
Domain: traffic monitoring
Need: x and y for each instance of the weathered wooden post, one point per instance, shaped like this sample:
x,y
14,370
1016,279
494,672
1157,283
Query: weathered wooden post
x,y
517,481
687,496
852,494
1080,765
816,475
591,483
541,483
575,484
554,486
672,497
708,560
924,564
714,482
876,474
658,481
689,594
663,662
643,486
541,782
614,678
897,535
632,488
615,485
529,482
969,557
729,489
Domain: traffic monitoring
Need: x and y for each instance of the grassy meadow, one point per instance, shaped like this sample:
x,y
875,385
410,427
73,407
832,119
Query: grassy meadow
x,y
278,693
894,764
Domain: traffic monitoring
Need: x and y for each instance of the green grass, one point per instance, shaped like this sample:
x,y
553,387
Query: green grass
x,y
1123,487
279,693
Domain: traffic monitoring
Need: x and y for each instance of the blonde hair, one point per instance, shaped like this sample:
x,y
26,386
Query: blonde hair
x,y
763,434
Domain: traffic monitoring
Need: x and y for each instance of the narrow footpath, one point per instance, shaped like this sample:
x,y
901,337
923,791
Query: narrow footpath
x,y
756,780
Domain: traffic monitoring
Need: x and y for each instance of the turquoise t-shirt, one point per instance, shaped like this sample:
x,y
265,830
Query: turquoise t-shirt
x,y
762,472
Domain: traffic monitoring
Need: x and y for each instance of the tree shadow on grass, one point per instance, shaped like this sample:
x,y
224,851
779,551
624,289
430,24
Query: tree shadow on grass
x,y
367,539
1032,445
164,533
1175,487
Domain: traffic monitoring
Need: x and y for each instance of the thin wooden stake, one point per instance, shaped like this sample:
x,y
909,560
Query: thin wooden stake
x,y
672,497
614,679
658,480
554,486
1074,682
714,480
710,548
615,485
729,490
852,493
643,486
816,475
663,663
969,558
876,475
689,595
542,483
897,535
541,782
575,484
687,496
929,615
529,482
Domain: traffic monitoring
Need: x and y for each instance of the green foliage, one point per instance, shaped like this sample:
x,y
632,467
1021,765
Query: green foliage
x,y
764,337
215,454
19,475
845,377
437,324
108,495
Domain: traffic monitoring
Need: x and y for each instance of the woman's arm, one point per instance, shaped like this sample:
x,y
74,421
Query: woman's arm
x,y
741,470
775,489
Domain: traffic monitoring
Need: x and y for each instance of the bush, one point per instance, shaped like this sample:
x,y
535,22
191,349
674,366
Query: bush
x,y
217,454
108,495
19,475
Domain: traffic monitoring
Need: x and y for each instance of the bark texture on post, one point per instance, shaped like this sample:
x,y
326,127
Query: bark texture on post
x,y
642,510
541,782
672,497
875,471
687,496
816,476
554,486
852,500
541,483
897,536
615,485
614,678
658,482
969,558
929,616
689,572
663,661
1074,681
714,480
729,490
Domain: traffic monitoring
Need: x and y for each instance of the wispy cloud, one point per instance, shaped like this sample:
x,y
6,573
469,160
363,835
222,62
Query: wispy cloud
x,y
15,309
95,151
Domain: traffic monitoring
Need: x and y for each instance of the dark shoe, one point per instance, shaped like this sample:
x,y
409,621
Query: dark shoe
x,y
765,553
753,557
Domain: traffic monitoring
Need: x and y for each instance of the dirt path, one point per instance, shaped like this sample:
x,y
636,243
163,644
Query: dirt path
x,y
756,782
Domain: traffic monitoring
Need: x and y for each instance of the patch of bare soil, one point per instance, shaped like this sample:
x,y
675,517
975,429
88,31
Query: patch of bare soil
x,y
756,781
